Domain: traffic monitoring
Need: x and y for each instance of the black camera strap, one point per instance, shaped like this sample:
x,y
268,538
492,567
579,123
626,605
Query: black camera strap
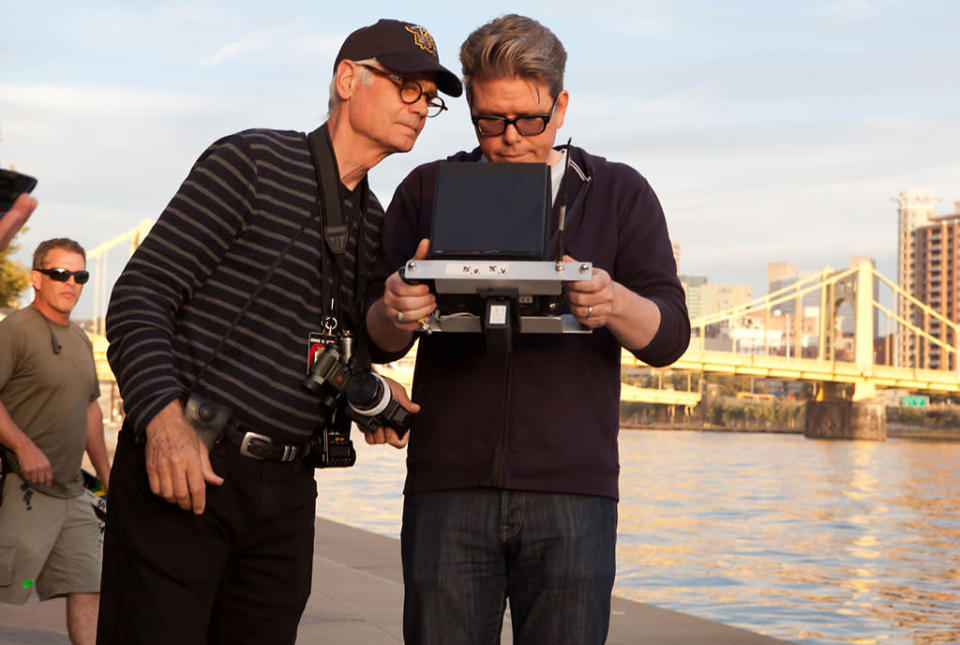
x,y
335,233
336,237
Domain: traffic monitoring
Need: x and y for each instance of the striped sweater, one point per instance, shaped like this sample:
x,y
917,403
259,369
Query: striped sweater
x,y
243,200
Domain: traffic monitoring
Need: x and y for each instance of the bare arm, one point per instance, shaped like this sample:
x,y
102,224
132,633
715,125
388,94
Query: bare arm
x,y
96,446
34,464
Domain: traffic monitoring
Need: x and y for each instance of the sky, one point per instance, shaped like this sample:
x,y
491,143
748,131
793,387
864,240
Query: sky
x,y
770,130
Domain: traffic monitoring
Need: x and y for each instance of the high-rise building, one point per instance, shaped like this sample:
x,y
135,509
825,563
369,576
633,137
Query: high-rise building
x,y
927,248
937,264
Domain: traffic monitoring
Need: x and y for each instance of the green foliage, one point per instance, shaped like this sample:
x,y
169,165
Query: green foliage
x,y
14,277
780,413
637,412
939,417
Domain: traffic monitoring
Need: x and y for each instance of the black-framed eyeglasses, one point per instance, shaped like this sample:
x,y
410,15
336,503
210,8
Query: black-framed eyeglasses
x,y
527,125
410,91
63,275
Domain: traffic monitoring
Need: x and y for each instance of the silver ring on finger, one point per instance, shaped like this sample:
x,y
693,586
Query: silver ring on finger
x,y
589,311
399,316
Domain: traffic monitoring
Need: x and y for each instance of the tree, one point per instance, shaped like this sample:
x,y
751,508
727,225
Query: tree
x,y
14,277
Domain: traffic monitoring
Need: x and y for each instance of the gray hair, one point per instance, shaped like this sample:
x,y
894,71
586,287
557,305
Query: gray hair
x,y
510,46
365,77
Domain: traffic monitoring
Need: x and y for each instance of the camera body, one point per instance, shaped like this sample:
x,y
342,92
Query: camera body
x,y
208,418
369,401
327,379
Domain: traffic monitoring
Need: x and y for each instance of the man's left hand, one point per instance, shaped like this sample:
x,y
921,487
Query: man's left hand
x,y
591,301
389,435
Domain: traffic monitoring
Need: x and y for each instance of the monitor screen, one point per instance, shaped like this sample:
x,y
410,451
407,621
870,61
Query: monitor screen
x,y
491,210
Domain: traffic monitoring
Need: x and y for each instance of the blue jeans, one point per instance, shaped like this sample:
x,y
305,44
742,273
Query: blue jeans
x,y
465,552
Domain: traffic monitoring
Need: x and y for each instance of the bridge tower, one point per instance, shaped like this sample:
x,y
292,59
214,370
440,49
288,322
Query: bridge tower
x,y
862,416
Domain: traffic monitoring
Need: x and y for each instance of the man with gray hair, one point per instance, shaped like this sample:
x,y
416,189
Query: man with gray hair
x,y
49,535
512,468
255,270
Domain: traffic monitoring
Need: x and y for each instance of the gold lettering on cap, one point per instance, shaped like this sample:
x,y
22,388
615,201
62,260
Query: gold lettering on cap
x,y
423,39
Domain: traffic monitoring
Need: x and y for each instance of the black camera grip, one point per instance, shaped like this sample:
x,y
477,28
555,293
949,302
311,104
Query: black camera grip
x,y
402,271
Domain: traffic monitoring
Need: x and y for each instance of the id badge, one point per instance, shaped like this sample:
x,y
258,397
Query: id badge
x,y
317,343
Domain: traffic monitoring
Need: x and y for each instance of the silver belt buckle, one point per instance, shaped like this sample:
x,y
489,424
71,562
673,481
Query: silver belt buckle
x,y
256,440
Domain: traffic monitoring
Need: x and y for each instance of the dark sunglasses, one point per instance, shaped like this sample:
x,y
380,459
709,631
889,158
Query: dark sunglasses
x,y
527,125
62,275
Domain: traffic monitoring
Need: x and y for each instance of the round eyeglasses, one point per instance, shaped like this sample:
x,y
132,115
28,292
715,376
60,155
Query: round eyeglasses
x,y
410,91
527,125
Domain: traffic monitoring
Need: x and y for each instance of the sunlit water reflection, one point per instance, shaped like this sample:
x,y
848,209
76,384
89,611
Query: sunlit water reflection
x,y
811,541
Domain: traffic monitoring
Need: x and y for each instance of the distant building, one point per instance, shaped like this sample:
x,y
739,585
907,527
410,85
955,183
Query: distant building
x,y
927,268
784,274
936,283
704,299
779,275
721,297
693,288
915,211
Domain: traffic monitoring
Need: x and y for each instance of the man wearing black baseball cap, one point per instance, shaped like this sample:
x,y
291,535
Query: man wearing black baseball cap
x,y
401,47
257,267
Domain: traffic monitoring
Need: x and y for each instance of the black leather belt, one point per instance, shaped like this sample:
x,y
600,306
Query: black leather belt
x,y
260,446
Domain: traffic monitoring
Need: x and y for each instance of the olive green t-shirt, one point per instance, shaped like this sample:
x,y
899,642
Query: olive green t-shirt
x,y
46,393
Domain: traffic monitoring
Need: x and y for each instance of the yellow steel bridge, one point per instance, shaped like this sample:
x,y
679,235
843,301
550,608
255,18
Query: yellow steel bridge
x,y
848,337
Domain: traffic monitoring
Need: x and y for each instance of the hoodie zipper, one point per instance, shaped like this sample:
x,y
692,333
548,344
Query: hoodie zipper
x,y
501,447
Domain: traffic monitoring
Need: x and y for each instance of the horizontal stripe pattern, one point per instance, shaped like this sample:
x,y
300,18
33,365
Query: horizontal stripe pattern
x,y
243,200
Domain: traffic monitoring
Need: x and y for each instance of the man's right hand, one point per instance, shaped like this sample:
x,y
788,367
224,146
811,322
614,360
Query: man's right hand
x,y
178,464
34,464
406,304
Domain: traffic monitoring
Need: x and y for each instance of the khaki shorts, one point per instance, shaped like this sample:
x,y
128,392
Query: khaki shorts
x,y
47,543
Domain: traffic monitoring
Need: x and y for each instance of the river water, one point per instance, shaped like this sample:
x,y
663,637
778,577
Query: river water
x,y
812,541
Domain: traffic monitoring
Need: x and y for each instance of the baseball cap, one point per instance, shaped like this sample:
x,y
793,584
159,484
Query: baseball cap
x,y
401,47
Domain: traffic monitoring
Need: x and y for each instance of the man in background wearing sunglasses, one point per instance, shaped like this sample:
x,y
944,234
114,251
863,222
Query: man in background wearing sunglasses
x,y
511,490
242,280
49,535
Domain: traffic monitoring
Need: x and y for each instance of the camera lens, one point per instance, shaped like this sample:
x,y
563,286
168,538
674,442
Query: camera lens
x,y
367,393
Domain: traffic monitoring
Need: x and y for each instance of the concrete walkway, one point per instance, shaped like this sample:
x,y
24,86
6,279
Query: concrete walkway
x,y
357,600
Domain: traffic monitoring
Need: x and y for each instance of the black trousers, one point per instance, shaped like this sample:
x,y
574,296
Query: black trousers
x,y
239,573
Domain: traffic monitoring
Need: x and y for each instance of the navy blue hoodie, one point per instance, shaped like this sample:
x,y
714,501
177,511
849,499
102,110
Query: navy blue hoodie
x,y
546,416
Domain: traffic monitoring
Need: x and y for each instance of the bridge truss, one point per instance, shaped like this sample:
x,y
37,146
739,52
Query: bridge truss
x,y
819,345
